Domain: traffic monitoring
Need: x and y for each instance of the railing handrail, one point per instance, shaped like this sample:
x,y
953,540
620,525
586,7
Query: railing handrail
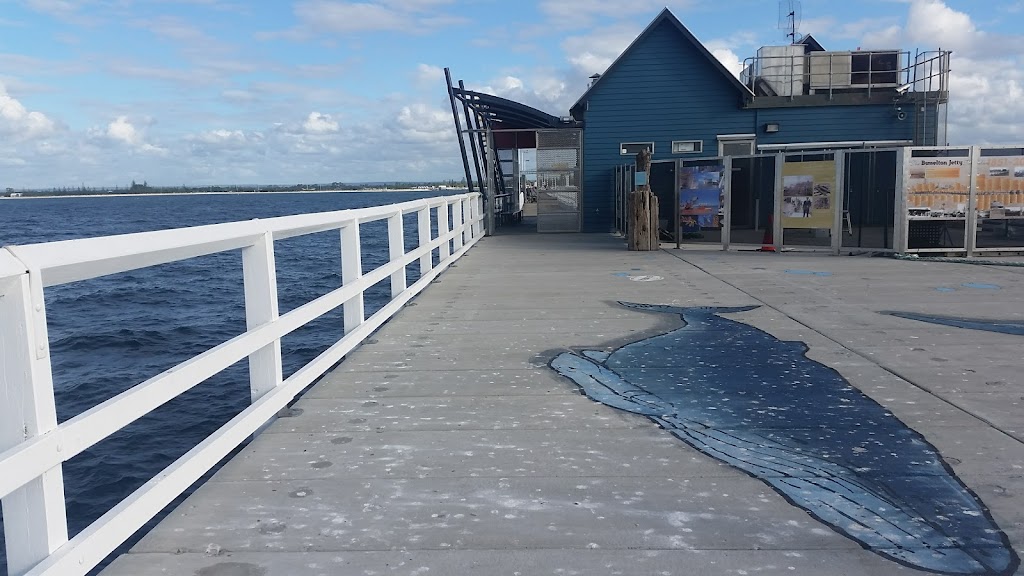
x,y
932,65
86,258
33,446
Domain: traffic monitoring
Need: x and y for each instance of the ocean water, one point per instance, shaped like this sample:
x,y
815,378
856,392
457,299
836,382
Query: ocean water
x,y
111,333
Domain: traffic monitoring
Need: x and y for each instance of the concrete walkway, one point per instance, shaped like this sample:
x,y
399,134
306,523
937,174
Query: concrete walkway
x,y
446,445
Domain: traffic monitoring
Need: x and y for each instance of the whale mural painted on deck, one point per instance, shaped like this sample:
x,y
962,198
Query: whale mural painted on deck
x,y
760,404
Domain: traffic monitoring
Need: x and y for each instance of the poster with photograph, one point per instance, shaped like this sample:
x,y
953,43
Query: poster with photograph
x,y
1000,184
807,194
938,187
701,197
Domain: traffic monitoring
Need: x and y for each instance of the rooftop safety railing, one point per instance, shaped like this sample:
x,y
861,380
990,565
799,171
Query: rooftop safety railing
x,y
787,71
34,446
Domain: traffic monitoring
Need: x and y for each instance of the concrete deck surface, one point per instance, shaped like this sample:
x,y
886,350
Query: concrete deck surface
x,y
446,445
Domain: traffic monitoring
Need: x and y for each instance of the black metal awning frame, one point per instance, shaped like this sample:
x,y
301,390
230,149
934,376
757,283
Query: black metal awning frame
x,y
485,114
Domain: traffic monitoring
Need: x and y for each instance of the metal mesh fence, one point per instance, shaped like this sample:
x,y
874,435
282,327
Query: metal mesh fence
x,y
558,180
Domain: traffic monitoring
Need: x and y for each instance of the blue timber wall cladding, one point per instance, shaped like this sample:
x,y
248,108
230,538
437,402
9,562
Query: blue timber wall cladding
x,y
833,124
663,89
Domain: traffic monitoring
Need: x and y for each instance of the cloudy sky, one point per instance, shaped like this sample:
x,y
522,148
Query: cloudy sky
x,y
101,92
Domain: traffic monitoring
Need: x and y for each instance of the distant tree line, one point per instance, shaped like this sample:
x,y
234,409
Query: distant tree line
x,y
145,188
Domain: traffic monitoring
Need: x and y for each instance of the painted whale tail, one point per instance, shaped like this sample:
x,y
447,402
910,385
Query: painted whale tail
x,y
666,309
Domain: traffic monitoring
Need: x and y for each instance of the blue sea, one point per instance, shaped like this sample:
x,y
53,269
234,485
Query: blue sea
x,y
112,333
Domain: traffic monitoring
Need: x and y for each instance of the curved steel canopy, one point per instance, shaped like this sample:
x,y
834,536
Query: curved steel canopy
x,y
504,114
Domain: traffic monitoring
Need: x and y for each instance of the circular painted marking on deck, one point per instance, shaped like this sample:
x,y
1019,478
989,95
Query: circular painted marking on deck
x,y
981,286
645,278
808,273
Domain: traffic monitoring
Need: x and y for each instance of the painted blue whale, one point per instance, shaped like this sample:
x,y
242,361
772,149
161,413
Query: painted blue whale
x,y
1015,327
760,404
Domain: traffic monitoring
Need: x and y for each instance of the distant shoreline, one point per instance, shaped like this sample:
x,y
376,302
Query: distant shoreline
x,y
237,192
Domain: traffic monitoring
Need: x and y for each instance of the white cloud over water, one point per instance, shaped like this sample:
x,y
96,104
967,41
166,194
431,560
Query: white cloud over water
x,y
20,123
330,90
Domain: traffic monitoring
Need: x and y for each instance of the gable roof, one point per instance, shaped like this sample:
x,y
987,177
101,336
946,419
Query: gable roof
x,y
812,44
666,15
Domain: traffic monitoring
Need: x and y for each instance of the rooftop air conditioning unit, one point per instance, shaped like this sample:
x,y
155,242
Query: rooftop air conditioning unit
x,y
830,70
878,68
782,67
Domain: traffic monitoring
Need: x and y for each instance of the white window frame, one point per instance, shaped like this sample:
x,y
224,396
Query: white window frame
x,y
736,139
622,150
698,146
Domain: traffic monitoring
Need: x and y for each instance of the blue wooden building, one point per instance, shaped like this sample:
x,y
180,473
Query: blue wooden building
x,y
668,93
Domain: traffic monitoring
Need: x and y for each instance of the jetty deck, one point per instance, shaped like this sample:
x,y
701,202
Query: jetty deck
x,y
447,445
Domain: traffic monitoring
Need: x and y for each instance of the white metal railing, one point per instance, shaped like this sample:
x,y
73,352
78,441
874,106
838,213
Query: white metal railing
x,y
34,446
793,73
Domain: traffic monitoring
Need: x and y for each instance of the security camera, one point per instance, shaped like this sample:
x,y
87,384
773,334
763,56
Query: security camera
x,y
903,89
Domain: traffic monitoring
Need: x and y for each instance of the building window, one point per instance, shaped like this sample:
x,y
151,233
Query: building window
x,y
687,146
634,148
736,145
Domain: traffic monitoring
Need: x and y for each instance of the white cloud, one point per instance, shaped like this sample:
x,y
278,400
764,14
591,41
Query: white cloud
x,y
121,131
18,122
725,49
427,75
124,131
347,17
580,13
65,10
222,137
932,21
333,17
594,52
423,123
59,8
546,90
317,123
883,38
238,96
987,71
729,59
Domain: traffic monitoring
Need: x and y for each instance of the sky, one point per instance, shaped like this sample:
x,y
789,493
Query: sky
x,y
193,92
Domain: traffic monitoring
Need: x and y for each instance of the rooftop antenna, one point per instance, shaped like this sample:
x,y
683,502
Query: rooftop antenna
x,y
789,18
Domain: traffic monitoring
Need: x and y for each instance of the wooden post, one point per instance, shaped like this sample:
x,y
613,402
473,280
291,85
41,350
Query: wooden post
x,y
643,210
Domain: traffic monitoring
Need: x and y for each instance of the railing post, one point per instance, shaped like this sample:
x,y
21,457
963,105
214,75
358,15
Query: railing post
x,y
459,224
971,224
443,229
470,216
482,225
396,248
35,520
423,219
261,307
352,270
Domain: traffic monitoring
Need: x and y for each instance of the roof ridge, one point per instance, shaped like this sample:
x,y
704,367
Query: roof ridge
x,y
664,15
